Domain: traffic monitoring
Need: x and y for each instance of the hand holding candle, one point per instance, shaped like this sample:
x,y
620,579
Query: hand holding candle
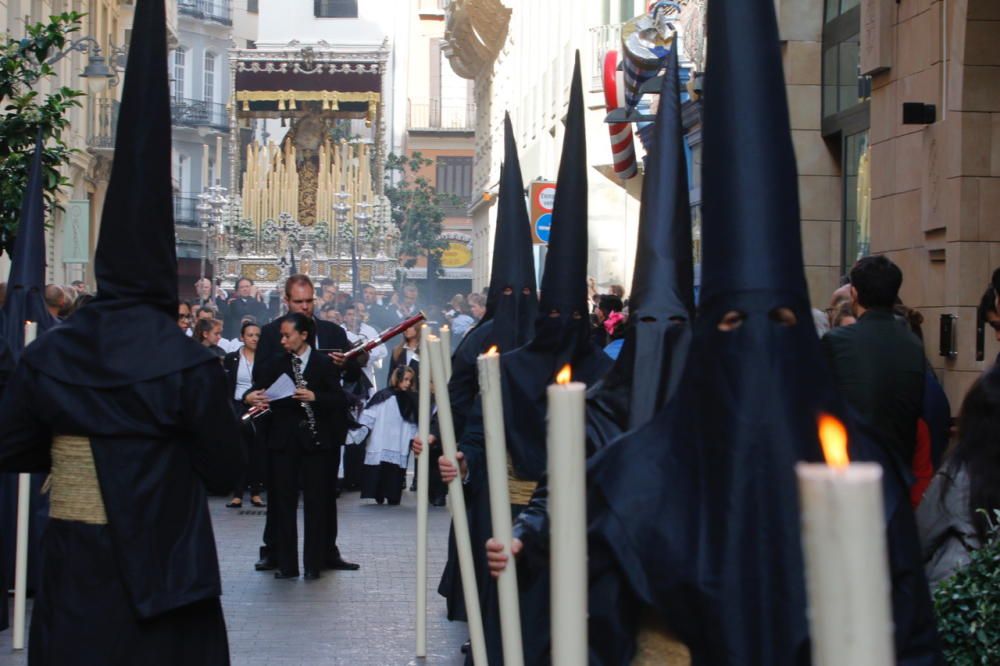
x,y
846,560
496,465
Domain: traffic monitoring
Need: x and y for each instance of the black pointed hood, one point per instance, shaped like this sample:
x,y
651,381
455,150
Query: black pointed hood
x,y
564,280
512,299
25,299
700,506
562,327
661,306
129,332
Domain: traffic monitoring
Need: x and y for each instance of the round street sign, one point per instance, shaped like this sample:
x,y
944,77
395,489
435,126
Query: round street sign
x,y
546,197
543,225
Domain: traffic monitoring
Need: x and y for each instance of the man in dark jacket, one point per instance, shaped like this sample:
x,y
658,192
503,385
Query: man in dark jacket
x,y
877,363
244,304
301,298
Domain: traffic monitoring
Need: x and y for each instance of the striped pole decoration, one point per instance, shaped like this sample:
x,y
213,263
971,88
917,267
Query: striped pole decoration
x,y
622,143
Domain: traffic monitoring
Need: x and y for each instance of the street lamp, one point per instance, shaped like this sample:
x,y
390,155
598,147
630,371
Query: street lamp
x,y
98,73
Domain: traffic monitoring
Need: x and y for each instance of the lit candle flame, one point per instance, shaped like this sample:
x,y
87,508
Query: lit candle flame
x,y
833,438
565,375
492,350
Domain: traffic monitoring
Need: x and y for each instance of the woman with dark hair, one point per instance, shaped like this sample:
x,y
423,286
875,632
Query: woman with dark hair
x,y
388,424
239,372
208,333
959,505
406,352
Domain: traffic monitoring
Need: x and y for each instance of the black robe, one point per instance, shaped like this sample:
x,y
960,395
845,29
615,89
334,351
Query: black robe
x,y
148,580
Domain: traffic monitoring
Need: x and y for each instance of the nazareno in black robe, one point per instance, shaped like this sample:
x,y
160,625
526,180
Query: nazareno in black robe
x,y
145,587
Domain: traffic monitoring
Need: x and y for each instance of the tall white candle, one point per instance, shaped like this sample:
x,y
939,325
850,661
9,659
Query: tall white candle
x,y
204,167
445,335
496,464
460,520
218,160
846,559
568,512
21,547
424,430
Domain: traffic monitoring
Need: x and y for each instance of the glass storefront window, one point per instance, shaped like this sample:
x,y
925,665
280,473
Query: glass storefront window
x,y
856,198
835,8
843,85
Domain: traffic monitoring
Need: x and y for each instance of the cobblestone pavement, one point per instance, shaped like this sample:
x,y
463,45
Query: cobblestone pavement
x,y
357,618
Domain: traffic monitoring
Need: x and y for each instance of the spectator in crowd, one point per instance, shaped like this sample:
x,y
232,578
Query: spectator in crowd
x,y
406,305
55,299
327,291
987,314
208,332
329,312
618,291
388,424
879,365
614,326
358,331
960,504
606,305
80,286
184,318
458,319
69,302
405,354
842,315
821,320
205,295
206,312
239,372
378,315
246,302
477,305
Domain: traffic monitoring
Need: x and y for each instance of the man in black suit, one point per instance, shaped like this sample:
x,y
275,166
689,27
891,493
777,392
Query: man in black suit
x,y
878,363
301,440
244,304
301,298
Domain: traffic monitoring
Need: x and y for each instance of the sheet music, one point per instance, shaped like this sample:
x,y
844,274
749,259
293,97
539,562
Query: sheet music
x,y
283,387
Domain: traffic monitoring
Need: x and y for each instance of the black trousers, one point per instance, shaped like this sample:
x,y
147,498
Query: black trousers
x,y
294,469
253,450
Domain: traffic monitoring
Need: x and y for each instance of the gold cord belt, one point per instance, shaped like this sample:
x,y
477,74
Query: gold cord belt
x,y
656,646
520,490
75,493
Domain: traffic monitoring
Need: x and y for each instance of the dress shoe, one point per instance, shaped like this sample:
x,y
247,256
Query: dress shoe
x,y
286,575
311,574
340,564
439,501
265,564
466,646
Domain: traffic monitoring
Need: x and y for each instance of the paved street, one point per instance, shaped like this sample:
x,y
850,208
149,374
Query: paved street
x,y
362,618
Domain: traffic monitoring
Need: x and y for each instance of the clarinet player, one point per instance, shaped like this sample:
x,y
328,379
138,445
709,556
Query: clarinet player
x,y
301,443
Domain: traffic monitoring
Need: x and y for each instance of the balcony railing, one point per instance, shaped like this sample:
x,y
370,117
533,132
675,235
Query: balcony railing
x,y
104,124
196,113
186,211
220,11
436,114
603,38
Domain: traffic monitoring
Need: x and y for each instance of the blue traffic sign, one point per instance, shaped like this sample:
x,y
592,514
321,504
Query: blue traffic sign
x,y
543,225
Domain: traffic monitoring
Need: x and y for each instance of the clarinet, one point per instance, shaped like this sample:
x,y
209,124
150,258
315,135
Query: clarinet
x,y
300,382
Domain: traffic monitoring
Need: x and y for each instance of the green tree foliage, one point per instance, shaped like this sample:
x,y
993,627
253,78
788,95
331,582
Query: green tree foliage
x,y
418,211
968,608
24,65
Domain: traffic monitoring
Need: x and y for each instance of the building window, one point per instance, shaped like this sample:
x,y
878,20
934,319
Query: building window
x,y
209,95
335,8
857,192
253,6
844,87
835,8
454,176
180,56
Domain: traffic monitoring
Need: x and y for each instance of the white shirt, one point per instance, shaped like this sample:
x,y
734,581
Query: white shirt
x,y
244,377
305,358
375,356
390,434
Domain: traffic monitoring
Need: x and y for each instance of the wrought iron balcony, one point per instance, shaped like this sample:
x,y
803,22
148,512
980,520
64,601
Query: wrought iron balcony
x,y
185,210
220,11
104,123
445,115
196,113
